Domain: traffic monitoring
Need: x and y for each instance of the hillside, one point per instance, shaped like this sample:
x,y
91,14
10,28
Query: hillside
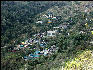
x,y
25,16
17,18
46,35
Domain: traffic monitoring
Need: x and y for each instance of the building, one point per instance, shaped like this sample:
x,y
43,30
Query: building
x,y
54,18
49,14
56,28
45,16
39,22
52,33
63,25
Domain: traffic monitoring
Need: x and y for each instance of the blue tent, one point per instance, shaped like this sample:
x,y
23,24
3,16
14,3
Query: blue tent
x,y
32,55
42,45
36,56
21,45
30,58
37,52
25,57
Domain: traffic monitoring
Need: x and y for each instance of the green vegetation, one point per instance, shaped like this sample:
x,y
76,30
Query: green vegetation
x,y
18,23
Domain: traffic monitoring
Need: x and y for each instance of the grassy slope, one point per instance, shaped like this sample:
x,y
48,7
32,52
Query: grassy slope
x,y
83,60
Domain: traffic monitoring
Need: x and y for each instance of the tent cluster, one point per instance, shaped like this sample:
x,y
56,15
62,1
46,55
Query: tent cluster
x,y
45,52
36,55
38,42
49,16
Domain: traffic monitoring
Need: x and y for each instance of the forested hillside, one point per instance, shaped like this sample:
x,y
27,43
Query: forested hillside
x,y
17,18
25,28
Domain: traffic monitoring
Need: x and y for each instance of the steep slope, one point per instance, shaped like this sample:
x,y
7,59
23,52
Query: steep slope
x,y
17,18
18,23
83,60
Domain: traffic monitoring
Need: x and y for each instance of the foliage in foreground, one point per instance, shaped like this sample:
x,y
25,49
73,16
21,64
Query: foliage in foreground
x,y
83,60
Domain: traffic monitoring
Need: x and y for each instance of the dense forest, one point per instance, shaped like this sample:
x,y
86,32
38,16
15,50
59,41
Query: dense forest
x,y
19,22
17,18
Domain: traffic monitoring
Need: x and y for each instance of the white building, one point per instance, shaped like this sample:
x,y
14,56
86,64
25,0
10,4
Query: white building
x,y
45,16
39,22
54,18
52,33
56,28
